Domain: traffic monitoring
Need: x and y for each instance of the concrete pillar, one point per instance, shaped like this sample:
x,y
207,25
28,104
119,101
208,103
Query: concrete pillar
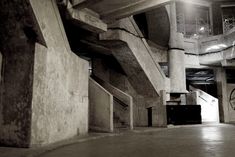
x,y
1,61
222,95
159,111
44,92
217,18
176,54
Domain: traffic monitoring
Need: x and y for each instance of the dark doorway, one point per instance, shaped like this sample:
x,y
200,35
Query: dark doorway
x,y
150,117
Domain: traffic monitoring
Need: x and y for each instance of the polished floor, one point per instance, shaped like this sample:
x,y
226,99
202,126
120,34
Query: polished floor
x,y
197,141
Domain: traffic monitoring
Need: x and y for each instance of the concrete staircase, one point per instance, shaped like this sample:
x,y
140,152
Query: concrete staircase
x,y
135,56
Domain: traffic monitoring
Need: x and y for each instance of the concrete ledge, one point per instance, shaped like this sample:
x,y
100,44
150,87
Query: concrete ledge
x,y
85,18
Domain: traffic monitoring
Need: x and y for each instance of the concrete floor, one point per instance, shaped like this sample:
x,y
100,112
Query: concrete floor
x,y
198,141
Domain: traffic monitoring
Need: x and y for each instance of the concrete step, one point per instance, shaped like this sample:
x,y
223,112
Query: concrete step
x,y
134,55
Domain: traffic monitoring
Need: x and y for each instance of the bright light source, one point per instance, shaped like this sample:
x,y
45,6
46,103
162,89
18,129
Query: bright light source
x,y
202,29
216,47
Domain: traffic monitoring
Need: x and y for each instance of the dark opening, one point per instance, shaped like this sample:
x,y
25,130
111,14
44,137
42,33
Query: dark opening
x,y
150,117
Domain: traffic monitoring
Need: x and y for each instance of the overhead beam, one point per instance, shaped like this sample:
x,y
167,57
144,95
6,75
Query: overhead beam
x,y
134,8
87,19
228,63
76,2
85,4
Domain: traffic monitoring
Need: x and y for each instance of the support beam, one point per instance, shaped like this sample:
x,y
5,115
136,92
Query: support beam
x,y
76,2
228,63
84,4
88,20
132,9
222,95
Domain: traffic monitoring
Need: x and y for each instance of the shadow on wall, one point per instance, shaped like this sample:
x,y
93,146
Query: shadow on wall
x,y
157,27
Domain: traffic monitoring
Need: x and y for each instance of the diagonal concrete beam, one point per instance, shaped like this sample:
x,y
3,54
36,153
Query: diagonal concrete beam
x,y
76,2
132,9
80,4
88,20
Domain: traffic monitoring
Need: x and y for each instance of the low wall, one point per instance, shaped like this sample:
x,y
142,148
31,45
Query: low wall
x,y
100,108
123,103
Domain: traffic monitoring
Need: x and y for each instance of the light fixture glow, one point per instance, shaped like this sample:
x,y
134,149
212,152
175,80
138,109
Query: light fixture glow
x,y
216,47
202,29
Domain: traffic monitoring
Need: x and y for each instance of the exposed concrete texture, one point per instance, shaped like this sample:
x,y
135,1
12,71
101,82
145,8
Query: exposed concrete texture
x,y
198,141
159,111
222,94
159,54
228,63
176,54
191,98
140,103
111,10
60,98
119,80
123,103
177,71
17,29
76,2
158,26
191,61
230,89
45,88
191,46
103,71
133,54
1,66
87,20
100,108
142,66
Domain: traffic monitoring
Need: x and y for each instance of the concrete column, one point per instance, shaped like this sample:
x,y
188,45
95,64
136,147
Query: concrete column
x,y
44,92
159,111
217,18
222,94
1,61
176,54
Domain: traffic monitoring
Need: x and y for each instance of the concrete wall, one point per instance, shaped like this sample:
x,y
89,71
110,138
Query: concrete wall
x,y
158,26
145,73
123,103
159,54
60,88
45,86
100,108
17,47
140,102
121,82
230,88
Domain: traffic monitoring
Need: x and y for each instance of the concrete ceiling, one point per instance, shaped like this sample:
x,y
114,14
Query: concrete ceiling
x,y
115,9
